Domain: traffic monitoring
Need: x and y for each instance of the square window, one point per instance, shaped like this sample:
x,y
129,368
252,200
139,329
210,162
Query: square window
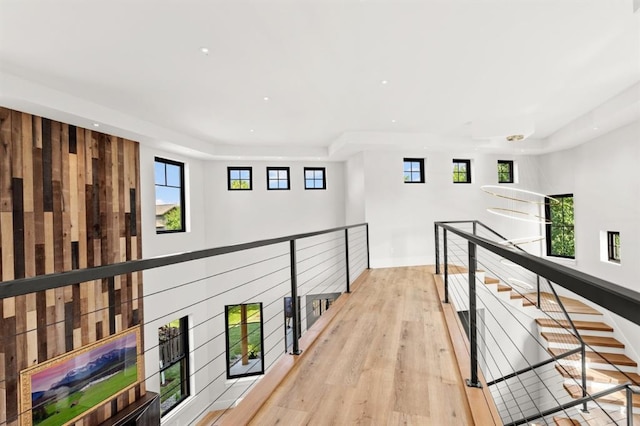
x,y
173,344
613,246
505,171
461,171
244,340
560,234
239,178
413,170
278,178
314,178
169,181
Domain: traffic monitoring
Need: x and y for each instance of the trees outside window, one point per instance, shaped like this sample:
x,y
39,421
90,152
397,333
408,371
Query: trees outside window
x,y
169,181
461,171
239,178
413,170
505,171
560,226
173,344
244,340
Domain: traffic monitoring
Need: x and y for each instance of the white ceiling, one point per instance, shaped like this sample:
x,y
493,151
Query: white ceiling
x,y
136,67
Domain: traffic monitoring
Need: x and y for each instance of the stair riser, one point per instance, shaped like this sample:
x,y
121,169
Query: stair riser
x,y
577,317
607,349
582,332
599,366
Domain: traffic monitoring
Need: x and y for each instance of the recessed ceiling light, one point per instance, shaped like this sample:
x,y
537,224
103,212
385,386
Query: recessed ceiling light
x,y
595,128
96,125
384,82
266,98
393,121
251,130
204,50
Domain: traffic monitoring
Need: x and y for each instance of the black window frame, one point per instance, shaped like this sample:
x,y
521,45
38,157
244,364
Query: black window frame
x,y
549,225
315,169
239,169
509,173
182,205
226,334
278,169
613,249
411,172
183,359
467,163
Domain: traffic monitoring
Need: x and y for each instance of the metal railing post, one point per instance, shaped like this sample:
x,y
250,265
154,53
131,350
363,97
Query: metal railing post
x,y
346,251
475,227
473,338
294,298
446,267
584,376
629,406
437,246
538,301
367,232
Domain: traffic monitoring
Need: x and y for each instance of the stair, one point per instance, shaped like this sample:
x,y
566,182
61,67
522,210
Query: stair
x,y
580,325
616,398
612,377
598,417
563,421
592,341
597,358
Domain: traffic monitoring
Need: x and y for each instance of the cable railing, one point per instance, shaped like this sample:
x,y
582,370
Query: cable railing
x,y
537,331
209,323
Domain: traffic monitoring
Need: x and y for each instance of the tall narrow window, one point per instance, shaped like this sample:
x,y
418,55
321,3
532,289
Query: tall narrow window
x,y
239,178
173,343
505,171
170,210
613,244
314,178
244,340
278,178
413,170
560,233
461,171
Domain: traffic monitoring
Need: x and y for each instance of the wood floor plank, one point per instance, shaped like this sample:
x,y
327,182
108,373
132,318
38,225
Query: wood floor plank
x,y
386,358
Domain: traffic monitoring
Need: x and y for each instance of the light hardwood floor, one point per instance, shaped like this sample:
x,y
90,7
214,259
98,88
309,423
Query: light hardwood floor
x,y
386,358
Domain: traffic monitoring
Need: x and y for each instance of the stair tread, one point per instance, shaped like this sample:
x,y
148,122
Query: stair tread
x,y
564,421
589,340
581,325
597,357
515,295
502,287
617,398
491,280
572,306
596,416
601,376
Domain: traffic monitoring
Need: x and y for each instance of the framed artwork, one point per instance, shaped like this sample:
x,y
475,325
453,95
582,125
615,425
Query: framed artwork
x,y
61,390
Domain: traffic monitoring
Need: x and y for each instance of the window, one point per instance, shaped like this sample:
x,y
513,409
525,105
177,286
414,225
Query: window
x,y
505,171
174,364
314,178
461,171
239,178
613,244
560,233
277,178
169,196
244,340
413,170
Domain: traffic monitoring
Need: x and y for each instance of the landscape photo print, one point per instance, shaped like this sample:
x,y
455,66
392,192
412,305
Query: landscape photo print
x,y
65,388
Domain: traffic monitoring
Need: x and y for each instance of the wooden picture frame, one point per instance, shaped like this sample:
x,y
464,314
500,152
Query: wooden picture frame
x,y
66,388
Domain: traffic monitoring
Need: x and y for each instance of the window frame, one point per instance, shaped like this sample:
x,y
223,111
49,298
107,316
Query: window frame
x,y
279,169
226,335
240,169
549,225
183,360
509,164
182,205
324,177
420,161
468,172
613,249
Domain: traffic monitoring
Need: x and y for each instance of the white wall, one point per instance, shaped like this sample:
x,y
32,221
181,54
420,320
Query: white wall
x,y
401,216
602,175
217,217
243,216
355,189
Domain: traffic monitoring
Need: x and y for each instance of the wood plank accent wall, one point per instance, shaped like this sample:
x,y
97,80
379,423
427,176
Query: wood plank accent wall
x,y
69,199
